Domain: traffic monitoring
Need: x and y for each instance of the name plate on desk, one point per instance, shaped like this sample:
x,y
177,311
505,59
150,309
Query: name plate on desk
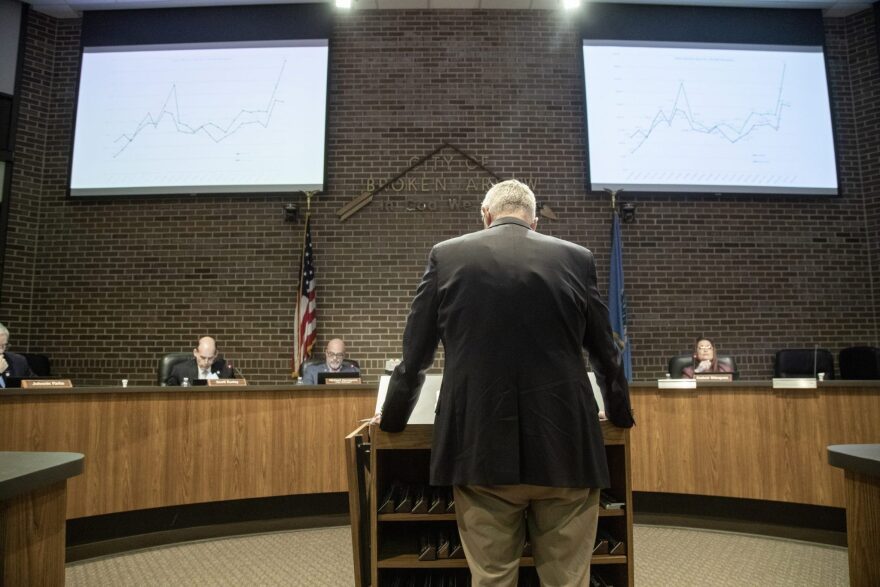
x,y
342,380
713,376
46,383
227,382
676,384
794,383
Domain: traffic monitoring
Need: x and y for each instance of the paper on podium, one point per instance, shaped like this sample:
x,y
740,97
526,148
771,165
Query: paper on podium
x,y
597,393
423,413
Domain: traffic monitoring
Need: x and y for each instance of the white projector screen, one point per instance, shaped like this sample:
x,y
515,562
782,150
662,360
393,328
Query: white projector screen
x,y
196,119
685,117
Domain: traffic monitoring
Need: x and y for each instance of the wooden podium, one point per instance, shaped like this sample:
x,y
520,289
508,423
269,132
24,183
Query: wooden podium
x,y
387,544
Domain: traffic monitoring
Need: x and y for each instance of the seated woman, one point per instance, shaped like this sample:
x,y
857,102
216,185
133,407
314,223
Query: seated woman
x,y
705,360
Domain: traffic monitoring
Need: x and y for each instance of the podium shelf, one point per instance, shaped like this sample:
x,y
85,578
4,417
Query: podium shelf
x,y
416,517
411,561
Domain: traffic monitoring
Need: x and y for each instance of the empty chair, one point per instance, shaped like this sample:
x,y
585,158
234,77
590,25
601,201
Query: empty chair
x,y
803,363
679,362
167,362
39,364
860,362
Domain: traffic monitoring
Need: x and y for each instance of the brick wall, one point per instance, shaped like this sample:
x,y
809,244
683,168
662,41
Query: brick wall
x,y
105,287
864,66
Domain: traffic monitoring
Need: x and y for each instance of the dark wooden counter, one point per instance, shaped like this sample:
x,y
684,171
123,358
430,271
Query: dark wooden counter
x,y
33,490
861,465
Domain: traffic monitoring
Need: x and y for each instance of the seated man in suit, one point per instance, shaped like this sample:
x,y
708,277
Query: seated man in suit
x,y
205,364
334,363
705,360
11,364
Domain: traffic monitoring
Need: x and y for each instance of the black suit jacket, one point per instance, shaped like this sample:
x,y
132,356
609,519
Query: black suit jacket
x,y
18,366
190,369
513,309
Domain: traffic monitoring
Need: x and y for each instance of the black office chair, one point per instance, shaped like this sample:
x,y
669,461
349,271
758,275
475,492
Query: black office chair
x,y
803,363
679,362
39,364
859,362
167,362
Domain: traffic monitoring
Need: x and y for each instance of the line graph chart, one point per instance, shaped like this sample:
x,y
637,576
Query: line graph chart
x,y
212,130
687,117
201,119
729,131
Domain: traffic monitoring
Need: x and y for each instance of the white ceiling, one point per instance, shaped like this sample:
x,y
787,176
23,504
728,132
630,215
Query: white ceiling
x,y
74,8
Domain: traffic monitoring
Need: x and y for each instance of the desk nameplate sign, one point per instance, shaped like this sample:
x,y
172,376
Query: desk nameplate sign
x,y
343,381
676,384
794,383
46,383
713,377
227,382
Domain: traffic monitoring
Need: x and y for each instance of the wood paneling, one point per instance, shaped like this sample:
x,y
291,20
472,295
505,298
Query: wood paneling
x,y
748,440
152,448
863,529
32,531
147,449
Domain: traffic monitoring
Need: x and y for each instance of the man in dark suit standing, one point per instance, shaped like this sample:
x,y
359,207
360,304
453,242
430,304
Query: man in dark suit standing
x,y
205,364
517,426
11,364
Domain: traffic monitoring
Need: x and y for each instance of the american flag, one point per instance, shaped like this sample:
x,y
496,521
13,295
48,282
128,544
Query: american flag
x,y
306,304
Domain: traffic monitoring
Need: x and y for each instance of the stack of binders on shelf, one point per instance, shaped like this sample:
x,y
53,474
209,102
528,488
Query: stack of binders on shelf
x,y
417,499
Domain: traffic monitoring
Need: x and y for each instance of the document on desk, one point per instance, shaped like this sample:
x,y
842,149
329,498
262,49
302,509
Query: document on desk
x,y
423,413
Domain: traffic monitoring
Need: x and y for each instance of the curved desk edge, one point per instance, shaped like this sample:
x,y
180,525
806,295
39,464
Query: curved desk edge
x,y
23,472
858,458
85,390
828,384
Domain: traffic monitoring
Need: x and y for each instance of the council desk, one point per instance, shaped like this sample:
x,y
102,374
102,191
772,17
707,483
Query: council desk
x,y
148,447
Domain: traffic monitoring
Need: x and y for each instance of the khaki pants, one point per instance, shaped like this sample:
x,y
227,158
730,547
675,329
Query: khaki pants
x,y
562,529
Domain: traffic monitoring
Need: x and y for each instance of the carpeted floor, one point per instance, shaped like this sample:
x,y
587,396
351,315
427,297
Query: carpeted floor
x,y
683,557
664,556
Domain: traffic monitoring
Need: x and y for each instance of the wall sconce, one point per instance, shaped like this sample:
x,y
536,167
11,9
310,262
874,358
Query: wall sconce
x,y
627,212
291,213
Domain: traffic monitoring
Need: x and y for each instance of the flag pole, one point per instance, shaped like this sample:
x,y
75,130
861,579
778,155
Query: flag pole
x,y
613,194
297,354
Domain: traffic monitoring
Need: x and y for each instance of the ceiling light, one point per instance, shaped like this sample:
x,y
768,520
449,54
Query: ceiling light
x,y
343,3
567,4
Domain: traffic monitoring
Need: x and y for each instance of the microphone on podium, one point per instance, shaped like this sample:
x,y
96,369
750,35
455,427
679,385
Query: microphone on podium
x,y
236,372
